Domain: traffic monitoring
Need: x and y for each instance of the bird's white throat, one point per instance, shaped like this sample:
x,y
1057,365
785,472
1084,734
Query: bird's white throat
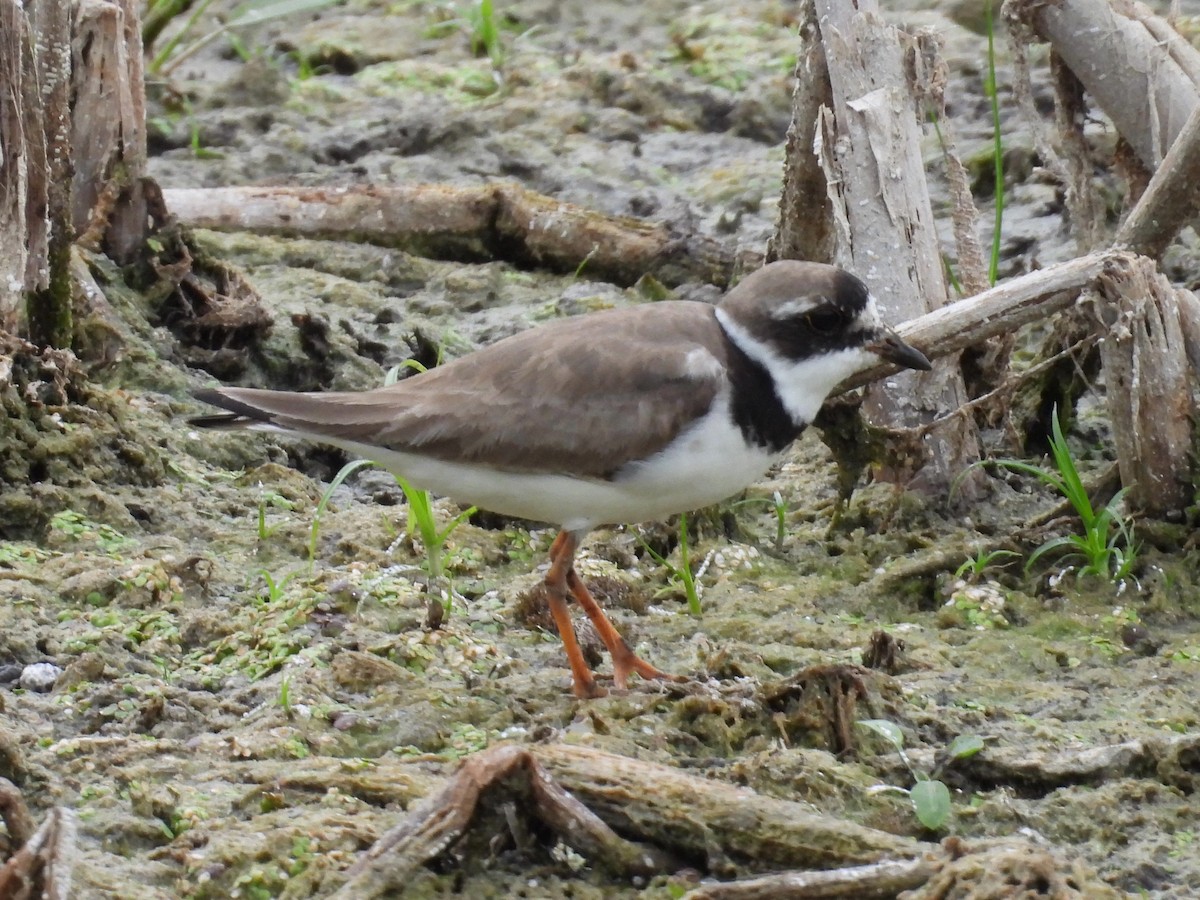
x,y
802,385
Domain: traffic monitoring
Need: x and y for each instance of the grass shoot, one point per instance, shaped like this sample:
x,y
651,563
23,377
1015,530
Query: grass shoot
x,y
187,41
682,574
1106,544
779,507
974,566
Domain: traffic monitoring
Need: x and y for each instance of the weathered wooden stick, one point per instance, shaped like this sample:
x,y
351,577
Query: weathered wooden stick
x,y
699,818
878,880
44,864
443,818
1149,384
1142,82
588,795
871,153
108,125
48,300
478,222
1004,308
24,230
1170,200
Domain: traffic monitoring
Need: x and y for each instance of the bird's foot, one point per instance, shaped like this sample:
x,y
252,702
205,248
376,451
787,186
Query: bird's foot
x,y
626,663
588,689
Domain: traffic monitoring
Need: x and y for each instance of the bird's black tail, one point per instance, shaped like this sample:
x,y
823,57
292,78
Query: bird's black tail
x,y
239,415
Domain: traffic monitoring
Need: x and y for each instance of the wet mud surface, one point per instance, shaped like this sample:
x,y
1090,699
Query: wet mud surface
x,y
239,701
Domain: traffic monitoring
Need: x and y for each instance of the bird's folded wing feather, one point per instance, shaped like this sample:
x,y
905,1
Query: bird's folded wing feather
x,y
580,396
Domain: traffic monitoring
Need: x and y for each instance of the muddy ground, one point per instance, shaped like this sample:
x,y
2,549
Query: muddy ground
x,y
237,717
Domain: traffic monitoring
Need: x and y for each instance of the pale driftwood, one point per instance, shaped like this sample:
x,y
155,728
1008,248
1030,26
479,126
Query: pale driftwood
x,y
1121,53
805,226
1004,308
1189,320
870,149
701,818
477,222
587,795
23,227
73,145
1149,385
109,128
878,880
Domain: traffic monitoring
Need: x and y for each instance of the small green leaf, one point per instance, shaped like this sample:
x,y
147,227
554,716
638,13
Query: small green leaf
x,y
931,801
889,731
964,746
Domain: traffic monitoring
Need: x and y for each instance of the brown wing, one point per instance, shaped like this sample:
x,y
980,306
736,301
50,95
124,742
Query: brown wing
x,y
581,396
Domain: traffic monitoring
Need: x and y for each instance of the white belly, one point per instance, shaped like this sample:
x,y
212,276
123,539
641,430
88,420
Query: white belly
x,y
703,466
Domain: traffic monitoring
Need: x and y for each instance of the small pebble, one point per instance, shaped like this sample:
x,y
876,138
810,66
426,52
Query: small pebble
x,y
10,674
40,677
344,721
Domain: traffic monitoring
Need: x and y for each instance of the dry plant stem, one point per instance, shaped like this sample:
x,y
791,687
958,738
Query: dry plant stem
x,y
43,866
1116,51
984,365
1020,37
443,818
805,228
929,77
1149,384
15,814
871,152
1083,200
479,222
885,879
1171,198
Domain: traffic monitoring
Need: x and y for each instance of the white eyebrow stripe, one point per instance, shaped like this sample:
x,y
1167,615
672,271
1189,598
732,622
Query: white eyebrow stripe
x,y
795,307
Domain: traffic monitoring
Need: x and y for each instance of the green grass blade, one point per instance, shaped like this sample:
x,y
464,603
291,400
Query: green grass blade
x,y
1050,479
1071,484
345,472
685,569
455,522
164,54
1050,546
393,374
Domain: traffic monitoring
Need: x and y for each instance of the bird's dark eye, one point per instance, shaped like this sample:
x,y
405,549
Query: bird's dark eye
x,y
826,321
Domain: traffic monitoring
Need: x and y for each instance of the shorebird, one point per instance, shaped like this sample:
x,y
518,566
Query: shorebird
x,y
612,417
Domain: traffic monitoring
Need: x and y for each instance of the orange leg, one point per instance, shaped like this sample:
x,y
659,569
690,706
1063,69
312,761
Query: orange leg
x,y
624,659
562,557
562,577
